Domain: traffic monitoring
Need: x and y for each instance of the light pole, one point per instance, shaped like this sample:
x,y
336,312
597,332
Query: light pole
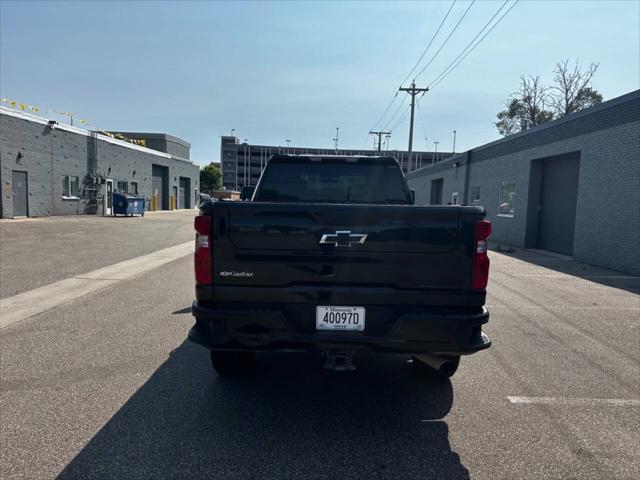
x,y
454,143
436,150
288,140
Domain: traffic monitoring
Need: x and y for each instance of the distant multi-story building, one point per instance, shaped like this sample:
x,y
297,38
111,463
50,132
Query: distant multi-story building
x,y
242,163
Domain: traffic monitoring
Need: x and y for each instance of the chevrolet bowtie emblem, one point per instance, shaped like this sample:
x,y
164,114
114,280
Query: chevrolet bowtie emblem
x,y
343,238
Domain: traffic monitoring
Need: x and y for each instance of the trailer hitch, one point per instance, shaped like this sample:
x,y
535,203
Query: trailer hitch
x,y
339,361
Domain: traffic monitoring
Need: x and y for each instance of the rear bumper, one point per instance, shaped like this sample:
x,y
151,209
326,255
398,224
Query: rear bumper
x,y
292,327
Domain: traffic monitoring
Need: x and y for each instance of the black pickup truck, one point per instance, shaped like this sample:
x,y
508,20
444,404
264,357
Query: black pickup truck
x,y
331,253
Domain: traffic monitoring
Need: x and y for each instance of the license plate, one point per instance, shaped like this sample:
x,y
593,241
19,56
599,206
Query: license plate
x,y
340,318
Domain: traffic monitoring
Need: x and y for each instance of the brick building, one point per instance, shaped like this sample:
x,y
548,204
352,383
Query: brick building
x,y
48,168
570,186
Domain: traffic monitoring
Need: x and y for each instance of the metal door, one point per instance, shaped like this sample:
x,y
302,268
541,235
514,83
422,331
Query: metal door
x,y
557,210
108,198
436,191
20,194
184,192
160,185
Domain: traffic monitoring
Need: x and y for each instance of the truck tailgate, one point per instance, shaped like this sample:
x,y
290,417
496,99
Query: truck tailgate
x,y
408,250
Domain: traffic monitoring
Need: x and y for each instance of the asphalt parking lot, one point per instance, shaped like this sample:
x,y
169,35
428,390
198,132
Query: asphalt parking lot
x,y
39,251
106,387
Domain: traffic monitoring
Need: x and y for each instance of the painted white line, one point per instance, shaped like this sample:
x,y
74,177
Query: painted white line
x,y
564,275
611,402
534,259
27,304
567,307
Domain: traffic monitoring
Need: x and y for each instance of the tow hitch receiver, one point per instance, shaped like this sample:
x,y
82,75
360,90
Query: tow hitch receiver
x,y
339,361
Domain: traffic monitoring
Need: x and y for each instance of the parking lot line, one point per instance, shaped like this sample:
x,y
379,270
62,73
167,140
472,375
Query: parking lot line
x,y
613,402
567,307
33,302
564,275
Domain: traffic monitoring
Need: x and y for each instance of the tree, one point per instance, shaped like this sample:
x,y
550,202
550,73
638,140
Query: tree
x,y
570,93
210,176
572,90
525,108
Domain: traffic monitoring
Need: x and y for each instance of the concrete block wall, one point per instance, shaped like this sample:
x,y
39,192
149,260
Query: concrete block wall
x,y
37,149
608,211
453,181
607,141
119,163
28,144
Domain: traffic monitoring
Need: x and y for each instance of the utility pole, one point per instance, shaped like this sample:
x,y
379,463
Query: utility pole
x,y
413,91
335,140
379,134
436,152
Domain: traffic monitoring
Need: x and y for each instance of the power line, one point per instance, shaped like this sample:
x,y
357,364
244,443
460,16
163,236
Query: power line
x,y
430,42
424,133
472,40
447,39
415,66
385,111
366,142
443,75
395,114
401,121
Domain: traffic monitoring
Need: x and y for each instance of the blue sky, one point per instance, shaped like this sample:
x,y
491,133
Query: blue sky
x,y
277,70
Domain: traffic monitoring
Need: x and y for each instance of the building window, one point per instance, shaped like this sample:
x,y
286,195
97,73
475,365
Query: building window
x,y
70,186
134,188
506,207
122,187
475,195
454,198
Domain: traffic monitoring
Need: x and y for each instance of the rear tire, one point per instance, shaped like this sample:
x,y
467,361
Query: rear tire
x,y
232,362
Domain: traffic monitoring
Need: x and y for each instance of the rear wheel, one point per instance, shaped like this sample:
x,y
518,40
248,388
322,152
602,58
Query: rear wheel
x,y
230,362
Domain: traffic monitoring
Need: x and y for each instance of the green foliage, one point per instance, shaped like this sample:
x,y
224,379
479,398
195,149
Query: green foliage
x,y
210,177
570,93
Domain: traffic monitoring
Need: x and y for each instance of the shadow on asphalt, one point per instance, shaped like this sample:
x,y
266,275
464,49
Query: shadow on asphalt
x,y
566,265
292,419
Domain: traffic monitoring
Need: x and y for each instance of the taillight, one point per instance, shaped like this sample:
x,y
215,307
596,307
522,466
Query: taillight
x,y
480,276
202,255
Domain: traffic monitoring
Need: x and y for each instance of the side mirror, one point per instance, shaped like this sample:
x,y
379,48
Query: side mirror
x,y
246,193
412,193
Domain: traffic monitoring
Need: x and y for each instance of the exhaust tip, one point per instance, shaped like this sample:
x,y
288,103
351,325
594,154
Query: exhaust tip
x,y
442,366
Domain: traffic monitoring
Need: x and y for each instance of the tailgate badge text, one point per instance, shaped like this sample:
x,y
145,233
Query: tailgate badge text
x,y
235,274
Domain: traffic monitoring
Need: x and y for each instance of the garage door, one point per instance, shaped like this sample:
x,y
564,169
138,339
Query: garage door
x,y
558,199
